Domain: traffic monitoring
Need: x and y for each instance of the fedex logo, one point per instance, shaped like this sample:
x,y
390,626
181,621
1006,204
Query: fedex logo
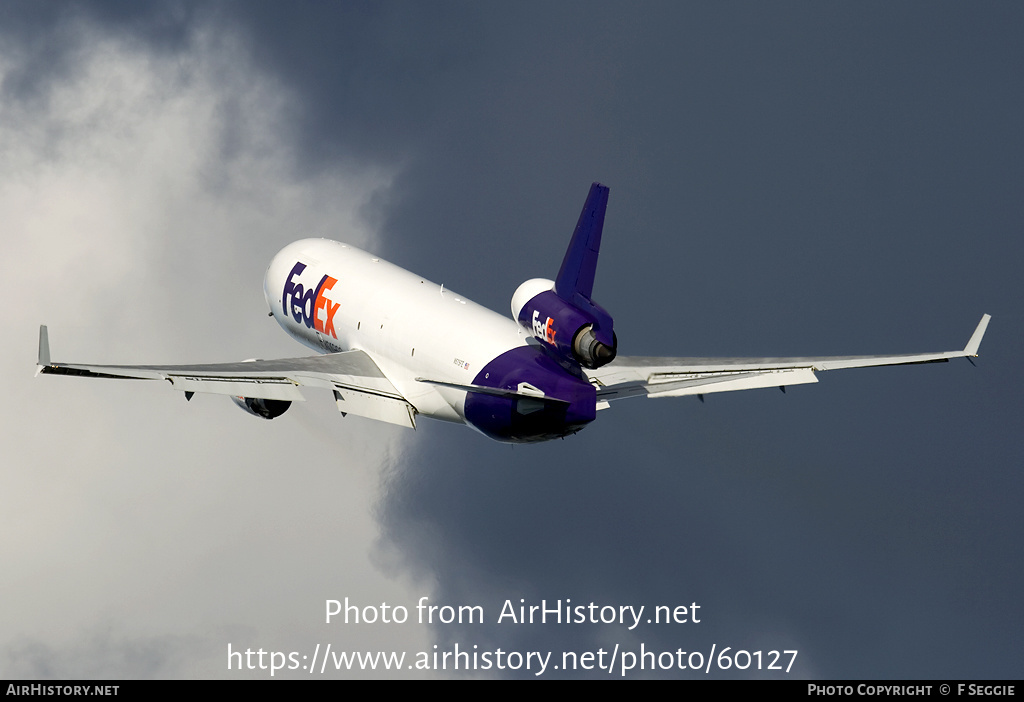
x,y
310,307
544,330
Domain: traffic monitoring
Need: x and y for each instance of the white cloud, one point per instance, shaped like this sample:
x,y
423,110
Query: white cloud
x,y
141,197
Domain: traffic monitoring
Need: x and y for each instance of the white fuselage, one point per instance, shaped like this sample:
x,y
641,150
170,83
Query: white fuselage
x,y
411,327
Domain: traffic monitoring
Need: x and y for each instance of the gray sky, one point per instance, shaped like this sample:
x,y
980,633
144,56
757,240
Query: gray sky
x,y
785,179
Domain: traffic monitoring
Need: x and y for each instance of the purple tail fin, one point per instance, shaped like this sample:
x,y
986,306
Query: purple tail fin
x,y
576,276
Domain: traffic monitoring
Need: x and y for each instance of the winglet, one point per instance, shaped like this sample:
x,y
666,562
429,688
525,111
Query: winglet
x,y
972,346
576,276
44,346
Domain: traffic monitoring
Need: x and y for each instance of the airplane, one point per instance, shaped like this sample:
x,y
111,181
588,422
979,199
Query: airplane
x,y
394,346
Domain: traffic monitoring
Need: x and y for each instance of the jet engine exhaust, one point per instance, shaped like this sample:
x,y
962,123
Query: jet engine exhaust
x,y
590,352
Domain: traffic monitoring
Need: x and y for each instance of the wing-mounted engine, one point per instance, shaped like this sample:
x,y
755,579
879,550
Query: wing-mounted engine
x,y
260,407
561,313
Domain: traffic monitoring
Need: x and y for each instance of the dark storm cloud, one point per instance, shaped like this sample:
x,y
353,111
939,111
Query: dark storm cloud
x,y
782,183
48,36
491,113
789,179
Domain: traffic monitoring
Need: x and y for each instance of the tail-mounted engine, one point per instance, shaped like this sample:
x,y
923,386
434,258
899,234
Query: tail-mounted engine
x,y
581,335
260,407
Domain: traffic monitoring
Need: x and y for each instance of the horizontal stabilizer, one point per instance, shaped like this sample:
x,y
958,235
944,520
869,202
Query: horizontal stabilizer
x,y
497,392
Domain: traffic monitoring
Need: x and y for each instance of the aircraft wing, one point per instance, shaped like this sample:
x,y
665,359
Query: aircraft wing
x,y
358,384
631,376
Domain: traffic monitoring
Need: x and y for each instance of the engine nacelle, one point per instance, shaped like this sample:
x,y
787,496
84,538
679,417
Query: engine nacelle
x,y
259,407
583,333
